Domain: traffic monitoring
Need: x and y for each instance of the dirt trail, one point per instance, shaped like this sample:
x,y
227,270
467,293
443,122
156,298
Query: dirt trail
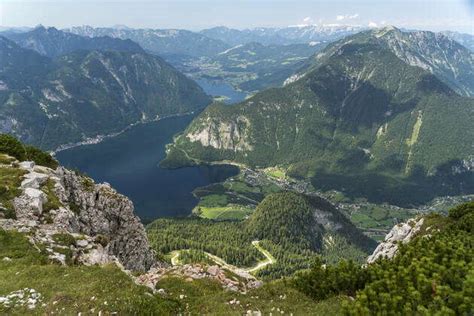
x,y
239,271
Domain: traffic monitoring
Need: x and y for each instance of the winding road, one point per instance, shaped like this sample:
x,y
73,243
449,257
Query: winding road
x,y
269,259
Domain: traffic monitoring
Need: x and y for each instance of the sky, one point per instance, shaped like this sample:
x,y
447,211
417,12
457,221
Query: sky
x,y
436,15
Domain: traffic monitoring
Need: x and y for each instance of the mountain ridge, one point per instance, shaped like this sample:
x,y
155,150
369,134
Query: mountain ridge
x,y
434,52
52,42
162,42
360,107
115,88
281,35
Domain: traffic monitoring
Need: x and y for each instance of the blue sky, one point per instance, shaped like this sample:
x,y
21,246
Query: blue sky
x,y
197,14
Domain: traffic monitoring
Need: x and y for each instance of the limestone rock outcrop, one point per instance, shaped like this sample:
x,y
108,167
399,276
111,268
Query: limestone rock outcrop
x,y
192,272
100,210
228,135
100,223
401,233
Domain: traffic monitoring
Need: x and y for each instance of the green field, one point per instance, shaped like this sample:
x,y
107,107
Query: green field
x,y
230,212
275,172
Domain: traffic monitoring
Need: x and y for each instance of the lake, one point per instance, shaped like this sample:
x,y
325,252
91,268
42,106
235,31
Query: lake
x,y
129,162
222,88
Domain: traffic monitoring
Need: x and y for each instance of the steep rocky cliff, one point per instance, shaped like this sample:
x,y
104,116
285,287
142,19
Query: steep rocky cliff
x,y
75,220
401,233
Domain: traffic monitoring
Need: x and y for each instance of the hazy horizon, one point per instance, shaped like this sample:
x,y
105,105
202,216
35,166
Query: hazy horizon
x,y
438,15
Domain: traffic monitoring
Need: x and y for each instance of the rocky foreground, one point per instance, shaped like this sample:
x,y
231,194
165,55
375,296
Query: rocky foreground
x,y
94,223
76,221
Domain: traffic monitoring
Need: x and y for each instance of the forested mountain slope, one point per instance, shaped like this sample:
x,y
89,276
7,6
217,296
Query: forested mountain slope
x,y
362,114
49,102
52,42
294,228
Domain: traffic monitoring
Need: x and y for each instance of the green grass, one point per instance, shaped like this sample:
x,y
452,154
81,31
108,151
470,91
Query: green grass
x,y
276,172
213,200
230,212
5,159
206,297
10,181
72,289
64,239
89,290
370,216
241,187
53,202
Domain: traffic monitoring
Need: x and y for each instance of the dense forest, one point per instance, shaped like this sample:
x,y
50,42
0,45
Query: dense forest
x,y
294,228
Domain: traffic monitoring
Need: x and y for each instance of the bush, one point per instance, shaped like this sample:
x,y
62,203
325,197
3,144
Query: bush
x,y
321,281
40,157
461,210
432,274
13,147
64,239
102,239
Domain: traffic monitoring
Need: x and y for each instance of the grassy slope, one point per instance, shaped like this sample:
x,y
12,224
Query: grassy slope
x,y
10,180
71,289
89,290
206,297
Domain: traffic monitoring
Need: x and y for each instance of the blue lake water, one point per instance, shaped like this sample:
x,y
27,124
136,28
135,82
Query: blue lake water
x,y
221,88
129,162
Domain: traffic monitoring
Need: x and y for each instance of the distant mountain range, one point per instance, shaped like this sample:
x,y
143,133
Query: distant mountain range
x,y
250,67
53,42
219,53
160,42
465,39
172,41
303,34
281,36
373,112
83,93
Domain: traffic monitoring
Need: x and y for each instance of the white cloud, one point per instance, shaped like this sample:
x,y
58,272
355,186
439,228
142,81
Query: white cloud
x,y
347,17
306,22
372,24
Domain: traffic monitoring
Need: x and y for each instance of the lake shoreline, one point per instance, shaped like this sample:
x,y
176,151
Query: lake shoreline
x,y
129,162
102,137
